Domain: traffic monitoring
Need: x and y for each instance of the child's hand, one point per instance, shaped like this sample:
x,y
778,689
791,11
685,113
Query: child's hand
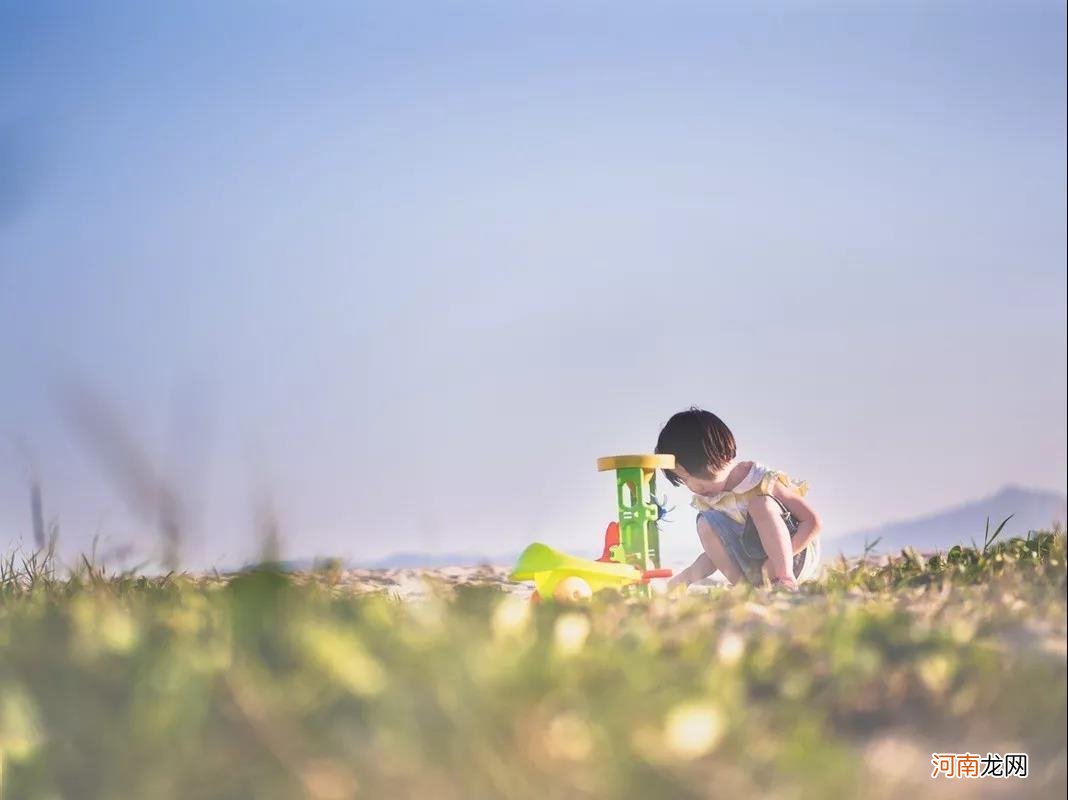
x,y
702,567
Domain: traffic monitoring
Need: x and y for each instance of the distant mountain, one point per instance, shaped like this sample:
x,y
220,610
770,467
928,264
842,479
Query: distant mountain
x,y
1032,510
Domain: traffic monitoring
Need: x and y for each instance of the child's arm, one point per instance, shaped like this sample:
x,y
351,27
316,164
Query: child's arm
x,y
808,521
702,567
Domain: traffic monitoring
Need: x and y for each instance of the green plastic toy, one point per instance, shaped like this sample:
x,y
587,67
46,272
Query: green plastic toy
x,y
547,566
632,545
638,511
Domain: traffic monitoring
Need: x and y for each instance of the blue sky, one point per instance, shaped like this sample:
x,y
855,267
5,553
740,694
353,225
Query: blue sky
x,y
408,269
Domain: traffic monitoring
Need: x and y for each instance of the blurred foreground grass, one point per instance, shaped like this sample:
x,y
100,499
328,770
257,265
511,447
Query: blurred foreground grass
x,y
267,686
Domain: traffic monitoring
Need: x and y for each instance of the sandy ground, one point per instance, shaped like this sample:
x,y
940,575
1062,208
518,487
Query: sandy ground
x,y
414,584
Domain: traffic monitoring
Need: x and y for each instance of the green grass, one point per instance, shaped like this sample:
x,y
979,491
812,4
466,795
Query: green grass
x,y
273,686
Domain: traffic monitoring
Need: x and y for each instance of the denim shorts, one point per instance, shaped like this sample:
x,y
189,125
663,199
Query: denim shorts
x,y
742,543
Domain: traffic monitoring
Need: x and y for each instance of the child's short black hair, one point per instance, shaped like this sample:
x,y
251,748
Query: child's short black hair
x,y
699,441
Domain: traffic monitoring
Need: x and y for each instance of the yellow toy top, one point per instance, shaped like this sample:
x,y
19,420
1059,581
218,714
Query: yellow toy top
x,y
642,461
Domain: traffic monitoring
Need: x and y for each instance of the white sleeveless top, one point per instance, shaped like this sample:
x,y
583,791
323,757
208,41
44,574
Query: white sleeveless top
x,y
758,481
735,504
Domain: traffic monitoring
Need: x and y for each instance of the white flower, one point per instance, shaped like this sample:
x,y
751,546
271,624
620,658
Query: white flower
x,y
693,730
510,616
570,632
731,648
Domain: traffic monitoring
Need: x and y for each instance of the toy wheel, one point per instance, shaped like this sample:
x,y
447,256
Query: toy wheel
x,y
572,589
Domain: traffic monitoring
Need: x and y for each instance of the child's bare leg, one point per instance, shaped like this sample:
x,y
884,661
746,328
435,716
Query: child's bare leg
x,y
715,550
774,536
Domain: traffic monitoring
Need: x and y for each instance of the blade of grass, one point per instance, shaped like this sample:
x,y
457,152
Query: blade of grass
x,y
989,540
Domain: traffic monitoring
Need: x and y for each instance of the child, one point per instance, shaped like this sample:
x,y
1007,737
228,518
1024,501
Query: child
x,y
751,520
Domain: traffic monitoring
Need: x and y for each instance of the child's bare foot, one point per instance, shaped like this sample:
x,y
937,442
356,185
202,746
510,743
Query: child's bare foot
x,y
784,584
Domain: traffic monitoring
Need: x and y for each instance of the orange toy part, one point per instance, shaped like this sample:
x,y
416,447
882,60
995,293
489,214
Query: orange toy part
x,y
649,574
611,539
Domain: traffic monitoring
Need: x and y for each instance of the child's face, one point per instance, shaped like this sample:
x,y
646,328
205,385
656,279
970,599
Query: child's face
x,y
698,484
